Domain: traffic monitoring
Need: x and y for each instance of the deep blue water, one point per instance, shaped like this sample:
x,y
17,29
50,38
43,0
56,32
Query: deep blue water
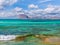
x,y
30,20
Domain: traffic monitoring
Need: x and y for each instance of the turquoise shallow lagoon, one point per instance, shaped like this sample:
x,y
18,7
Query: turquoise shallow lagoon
x,y
22,27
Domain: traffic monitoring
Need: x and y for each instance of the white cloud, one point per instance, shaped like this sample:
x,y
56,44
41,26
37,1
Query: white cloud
x,y
51,12
44,1
18,9
11,13
8,2
6,14
49,8
32,6
4,3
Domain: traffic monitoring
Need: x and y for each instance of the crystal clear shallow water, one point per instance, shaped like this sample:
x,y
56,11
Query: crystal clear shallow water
x,y
21,27
17,27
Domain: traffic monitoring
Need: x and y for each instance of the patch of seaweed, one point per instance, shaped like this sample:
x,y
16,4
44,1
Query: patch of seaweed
x,y
22,38
41,37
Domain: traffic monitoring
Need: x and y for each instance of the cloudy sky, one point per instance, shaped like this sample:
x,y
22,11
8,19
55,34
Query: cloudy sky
x,y
36,9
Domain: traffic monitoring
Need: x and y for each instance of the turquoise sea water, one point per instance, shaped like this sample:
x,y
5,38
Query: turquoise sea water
x,y
28,26
21,27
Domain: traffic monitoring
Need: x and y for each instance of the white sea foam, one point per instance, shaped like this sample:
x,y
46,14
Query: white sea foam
x,y
7,37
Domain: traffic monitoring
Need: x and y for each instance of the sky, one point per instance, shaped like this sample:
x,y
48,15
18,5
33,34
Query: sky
x,y
34,9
